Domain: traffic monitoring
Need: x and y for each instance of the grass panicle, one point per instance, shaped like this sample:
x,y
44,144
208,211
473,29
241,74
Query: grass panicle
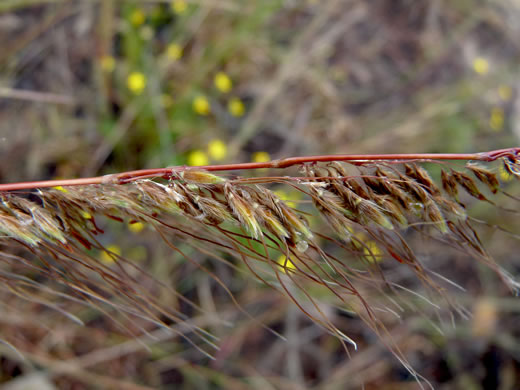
x,y
372,209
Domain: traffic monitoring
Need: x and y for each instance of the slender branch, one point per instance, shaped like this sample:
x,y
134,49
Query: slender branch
x,y
167,173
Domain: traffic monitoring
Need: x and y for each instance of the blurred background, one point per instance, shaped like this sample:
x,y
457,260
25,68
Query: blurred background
x,y
93,87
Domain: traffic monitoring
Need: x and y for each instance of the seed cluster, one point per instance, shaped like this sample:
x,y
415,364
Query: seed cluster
x,y
371,196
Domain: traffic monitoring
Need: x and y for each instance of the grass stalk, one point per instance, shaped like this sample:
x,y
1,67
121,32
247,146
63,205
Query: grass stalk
x,y
167,173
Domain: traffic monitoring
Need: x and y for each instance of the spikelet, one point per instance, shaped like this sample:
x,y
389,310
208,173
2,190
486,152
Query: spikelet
x,y
18,229
453,209
44,222
485,176
271,222
197,176
420,175
392,209
434,214
213,210
388,182
296,226
332,209
370,211
242,209
449,184
468,184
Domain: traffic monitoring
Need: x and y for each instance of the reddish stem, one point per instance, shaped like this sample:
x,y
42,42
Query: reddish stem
x,y
126,177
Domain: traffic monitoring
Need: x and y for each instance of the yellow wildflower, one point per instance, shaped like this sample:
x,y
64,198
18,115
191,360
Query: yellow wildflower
x,y
217,149
201,105
174,51
110,254
496,121
223,82
136,227
197,157
260,157
179,6
108,63
481,65
136,82
505,92
137,17
236,107
286,263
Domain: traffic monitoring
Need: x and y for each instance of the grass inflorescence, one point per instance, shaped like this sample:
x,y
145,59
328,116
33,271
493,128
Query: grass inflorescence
x,y
371,208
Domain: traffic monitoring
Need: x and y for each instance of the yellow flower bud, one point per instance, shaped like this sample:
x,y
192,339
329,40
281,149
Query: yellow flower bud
x,y
174,51
136,82
260,157
223,82
201,105
236,107
179,6
197,157
217,150
481,65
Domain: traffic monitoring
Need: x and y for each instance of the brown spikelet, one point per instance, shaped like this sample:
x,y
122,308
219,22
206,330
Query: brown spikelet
x,y
331,207
485,176
356,186
369,211
434,214
449,184
468,184
214,211
392,209
453,209
422,177
388,179
185,199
